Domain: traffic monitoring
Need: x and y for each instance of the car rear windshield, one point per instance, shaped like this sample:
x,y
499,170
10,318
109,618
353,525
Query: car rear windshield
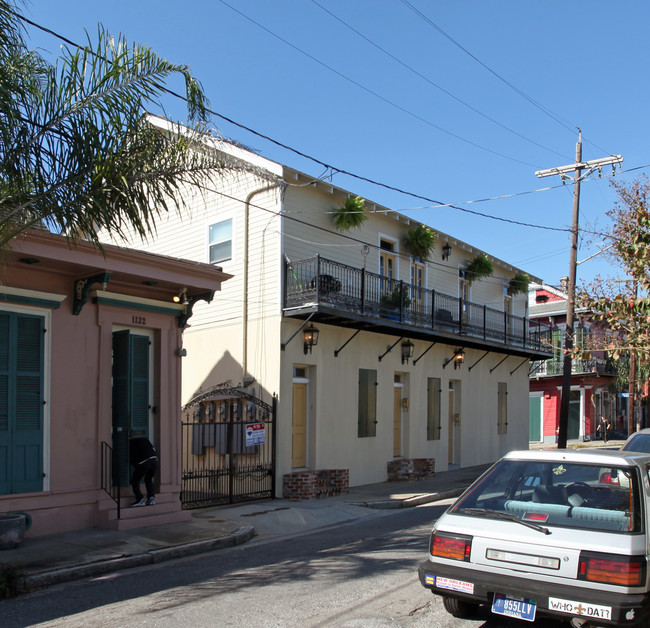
x,y
639,442
566,494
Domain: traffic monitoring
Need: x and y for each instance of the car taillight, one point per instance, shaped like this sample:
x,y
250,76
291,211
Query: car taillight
x,y
627,571
608,478
454,546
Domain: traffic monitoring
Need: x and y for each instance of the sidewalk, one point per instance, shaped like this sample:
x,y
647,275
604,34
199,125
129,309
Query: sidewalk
x,y
60,558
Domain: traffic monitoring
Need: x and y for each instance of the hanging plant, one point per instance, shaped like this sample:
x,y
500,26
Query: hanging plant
x,y
352,214
421,241
478,268
519,283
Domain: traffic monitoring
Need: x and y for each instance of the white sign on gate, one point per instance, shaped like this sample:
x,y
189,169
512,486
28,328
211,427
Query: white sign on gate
x,y
255,434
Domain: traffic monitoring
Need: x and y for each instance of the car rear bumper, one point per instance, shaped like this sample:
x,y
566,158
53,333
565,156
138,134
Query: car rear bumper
x,y
552,599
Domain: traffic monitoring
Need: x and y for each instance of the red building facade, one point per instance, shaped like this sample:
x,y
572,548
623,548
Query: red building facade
x,y
591,379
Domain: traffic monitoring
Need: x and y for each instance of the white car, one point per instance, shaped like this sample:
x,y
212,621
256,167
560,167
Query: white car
x,y
639,441
561,533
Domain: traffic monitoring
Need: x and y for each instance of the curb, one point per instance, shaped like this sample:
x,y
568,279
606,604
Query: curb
x,y
410,502
150,557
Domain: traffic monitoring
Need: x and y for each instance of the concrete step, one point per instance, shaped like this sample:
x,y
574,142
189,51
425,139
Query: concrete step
x,y
165,510
145,520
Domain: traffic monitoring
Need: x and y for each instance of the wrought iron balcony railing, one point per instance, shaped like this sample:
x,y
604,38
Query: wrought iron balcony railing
x,y
552,368
321,282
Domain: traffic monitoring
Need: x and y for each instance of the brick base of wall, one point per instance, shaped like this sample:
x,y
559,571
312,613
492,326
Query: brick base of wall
x,y
305,485
404,469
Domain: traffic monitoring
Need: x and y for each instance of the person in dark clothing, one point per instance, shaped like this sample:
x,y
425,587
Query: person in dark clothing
x,y
144,460
603,425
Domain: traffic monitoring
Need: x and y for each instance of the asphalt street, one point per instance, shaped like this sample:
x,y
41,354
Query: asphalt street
x,y
361,574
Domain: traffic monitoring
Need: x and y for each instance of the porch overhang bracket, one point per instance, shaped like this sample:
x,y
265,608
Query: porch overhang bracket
x,y
422,354
519,365
191,302
345,344
82,290
391,347
499,364
477,361
283,346
539,366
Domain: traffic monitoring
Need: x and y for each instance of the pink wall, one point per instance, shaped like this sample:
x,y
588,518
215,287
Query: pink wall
x,y
79,370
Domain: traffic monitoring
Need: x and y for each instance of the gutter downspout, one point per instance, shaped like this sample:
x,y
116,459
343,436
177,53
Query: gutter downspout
x,y
247,204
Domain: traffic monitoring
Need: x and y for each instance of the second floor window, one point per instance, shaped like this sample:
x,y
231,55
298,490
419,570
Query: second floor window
x,y
220,241
463,285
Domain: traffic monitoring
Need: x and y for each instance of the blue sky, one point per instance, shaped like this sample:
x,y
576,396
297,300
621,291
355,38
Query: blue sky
x,y
453,101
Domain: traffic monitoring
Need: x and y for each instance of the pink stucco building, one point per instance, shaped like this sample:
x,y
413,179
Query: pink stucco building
x,y
90,354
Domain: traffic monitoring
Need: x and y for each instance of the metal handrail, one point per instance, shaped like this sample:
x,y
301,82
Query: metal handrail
x,y
110,484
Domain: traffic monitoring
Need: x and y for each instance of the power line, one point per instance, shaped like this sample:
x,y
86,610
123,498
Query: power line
x,y
373,93
400,254
523,94
428,80
329,167
514,194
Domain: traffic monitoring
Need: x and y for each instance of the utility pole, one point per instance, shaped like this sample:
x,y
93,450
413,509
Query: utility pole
x,y
563,171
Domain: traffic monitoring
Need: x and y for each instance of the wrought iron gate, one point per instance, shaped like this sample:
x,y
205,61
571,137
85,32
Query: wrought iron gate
x,y
228,445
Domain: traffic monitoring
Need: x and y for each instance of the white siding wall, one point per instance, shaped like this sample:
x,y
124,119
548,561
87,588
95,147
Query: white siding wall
x,y
334,409
313,232
220,332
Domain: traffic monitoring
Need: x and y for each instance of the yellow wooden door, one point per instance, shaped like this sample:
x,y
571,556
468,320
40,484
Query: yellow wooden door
x,y
299,426
387,272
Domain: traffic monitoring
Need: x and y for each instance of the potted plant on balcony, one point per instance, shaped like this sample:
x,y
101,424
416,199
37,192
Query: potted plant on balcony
x,y
519,283
398,298
421,241
478,268
352,214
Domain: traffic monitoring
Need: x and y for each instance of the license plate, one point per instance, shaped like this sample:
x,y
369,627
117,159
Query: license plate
x,y
518,607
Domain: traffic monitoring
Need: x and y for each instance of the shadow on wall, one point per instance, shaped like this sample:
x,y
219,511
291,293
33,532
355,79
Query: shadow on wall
x,y
226,372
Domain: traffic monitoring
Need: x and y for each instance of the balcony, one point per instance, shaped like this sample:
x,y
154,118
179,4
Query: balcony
x,y
337,294
555,368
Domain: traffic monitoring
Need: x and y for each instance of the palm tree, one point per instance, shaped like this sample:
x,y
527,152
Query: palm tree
x,y
77,154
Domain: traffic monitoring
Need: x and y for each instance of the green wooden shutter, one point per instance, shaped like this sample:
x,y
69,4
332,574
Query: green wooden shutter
x,y
5,433
121,406
28,427
130,398
21,402
140,386
535,419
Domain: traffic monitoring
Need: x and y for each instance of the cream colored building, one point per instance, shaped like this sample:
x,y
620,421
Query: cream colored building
x,y
352,401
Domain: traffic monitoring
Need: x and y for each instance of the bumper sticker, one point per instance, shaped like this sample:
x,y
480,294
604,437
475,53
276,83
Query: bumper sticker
x,y
579,608
455,585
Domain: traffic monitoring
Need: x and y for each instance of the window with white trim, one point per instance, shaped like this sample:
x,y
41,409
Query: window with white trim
x,y
220,241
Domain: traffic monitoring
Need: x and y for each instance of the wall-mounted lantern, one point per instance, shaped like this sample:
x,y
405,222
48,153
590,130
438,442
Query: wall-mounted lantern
x,y
407,351
181,297
446,251
458,358
310,337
